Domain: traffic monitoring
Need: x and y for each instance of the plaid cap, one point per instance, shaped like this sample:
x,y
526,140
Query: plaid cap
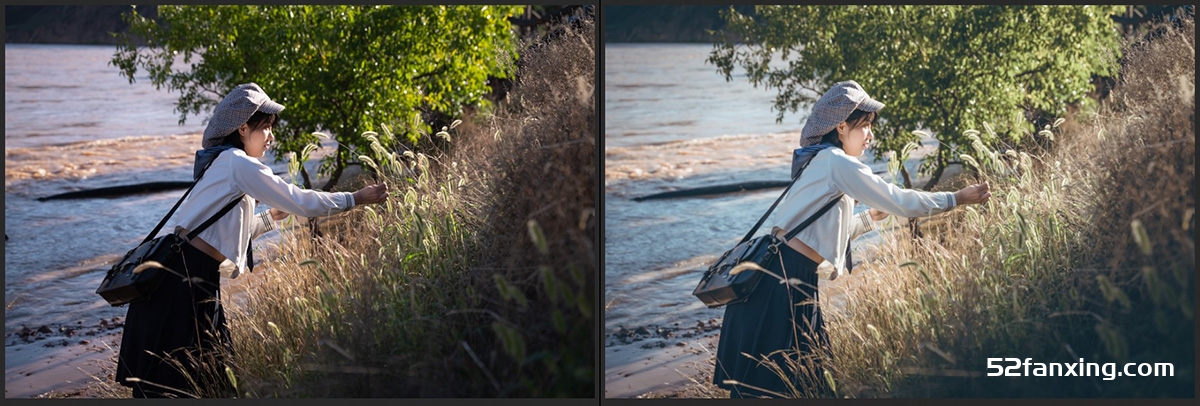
x,y
833,108
236,109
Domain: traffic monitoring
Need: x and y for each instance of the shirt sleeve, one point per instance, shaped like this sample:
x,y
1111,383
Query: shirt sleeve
x,y
856,180
861,224
255,179
262,224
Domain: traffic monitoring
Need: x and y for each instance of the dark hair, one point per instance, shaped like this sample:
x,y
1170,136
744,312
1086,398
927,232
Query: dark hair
x,y
256,122
858,118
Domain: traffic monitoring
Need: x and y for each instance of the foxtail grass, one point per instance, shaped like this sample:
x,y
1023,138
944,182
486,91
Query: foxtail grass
x,y
475,279
1085,251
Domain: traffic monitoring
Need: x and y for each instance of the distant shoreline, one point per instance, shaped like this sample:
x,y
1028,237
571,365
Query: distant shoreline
x,y
68,25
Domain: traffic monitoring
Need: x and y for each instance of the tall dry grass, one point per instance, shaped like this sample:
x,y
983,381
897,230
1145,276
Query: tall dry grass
x,y
475,280
1086,250
538,264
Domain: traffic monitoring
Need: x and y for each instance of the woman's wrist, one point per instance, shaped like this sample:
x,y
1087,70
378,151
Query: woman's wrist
x,y
268,222
867,221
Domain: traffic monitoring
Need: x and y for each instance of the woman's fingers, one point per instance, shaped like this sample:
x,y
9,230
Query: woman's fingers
x,y
876,215
376,193
278,215
975,194
379,192
984,192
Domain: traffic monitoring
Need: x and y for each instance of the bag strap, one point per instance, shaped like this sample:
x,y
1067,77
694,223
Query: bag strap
x,y
763,219
811,219
214,217
207,223
798,228
163,222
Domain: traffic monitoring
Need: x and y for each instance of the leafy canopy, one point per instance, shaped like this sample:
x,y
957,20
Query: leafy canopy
x,y
942,68
342,69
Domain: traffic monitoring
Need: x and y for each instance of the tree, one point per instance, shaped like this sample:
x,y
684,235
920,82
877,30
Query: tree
x,y
344,69
942,68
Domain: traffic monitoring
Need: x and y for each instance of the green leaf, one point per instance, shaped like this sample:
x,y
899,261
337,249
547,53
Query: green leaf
x,y
1140,237
937,68
1112,292
232,378
509,292
510,340
538,237
560,323
303,58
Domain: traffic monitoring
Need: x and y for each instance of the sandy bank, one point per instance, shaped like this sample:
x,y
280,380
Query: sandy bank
x,y
62,361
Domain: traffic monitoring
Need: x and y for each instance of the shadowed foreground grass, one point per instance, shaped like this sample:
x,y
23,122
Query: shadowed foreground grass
x,y
1086,250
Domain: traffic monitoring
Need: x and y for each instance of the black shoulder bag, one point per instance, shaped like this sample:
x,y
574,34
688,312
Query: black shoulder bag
x,y
719,287
127,281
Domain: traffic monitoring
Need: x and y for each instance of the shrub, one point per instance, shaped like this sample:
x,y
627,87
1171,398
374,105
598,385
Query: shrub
x,y
1085,251
476,279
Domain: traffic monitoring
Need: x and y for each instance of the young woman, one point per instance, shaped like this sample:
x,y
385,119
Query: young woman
x,y
181,327
784,324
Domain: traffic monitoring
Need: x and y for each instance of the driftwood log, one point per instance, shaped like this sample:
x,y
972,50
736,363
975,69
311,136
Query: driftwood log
x,y
714,190
721,189
117,191
125,190
914,224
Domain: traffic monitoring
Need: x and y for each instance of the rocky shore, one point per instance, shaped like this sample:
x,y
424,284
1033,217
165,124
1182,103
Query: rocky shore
x,y
652,361
63,361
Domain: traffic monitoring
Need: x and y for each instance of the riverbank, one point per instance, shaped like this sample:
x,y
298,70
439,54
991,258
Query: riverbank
x,y
79,359
643,362
60,339
71,24
677,361
62,361
651,365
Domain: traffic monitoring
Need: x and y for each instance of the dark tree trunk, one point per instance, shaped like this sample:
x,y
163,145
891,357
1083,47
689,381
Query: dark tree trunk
x,y
939,167
906,177
340,165
912,222
304,174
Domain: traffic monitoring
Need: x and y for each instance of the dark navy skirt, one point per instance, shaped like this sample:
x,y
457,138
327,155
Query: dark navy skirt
x,y
181,323
775,322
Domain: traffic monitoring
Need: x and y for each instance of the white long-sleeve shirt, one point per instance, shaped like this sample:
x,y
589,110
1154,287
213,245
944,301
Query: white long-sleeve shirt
x,y
234,173
832,172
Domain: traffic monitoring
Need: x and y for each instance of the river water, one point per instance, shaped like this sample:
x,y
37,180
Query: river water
x,y
672,122
71,123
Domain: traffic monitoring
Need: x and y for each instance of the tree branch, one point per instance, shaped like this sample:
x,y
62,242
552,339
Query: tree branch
x,y
939,167
339,166
1040,69
307,179
437,71
215,93
533,22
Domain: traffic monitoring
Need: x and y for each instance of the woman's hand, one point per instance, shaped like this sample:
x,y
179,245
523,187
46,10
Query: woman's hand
x,y
876,215
974,194
376,193
278,215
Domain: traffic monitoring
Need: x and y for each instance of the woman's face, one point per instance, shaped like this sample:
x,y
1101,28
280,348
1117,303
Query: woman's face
x,y
855,141
256,141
